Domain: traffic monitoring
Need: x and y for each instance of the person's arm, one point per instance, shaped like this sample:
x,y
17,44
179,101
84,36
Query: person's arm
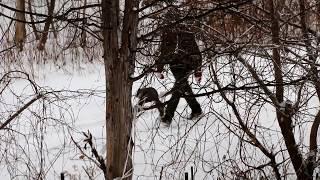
x,y
167,48
195,55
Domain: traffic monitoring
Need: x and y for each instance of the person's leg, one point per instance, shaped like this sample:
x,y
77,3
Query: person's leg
x,y
171,107
181,75
172,104
192,102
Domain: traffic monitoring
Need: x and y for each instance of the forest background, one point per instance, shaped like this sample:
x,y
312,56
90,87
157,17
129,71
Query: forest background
x,y
260,90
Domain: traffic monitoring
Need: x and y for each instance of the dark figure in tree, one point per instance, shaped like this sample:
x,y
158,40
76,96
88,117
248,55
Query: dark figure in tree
x,y
179,49
146,95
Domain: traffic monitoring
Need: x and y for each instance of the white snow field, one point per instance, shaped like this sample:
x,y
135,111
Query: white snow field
x,y
160,152
210,145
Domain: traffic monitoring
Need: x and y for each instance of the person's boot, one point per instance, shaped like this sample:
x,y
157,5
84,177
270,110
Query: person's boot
x,y
195,115
166,119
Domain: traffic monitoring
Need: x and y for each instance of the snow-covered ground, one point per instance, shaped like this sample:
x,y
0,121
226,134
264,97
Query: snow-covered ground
x,y
169,151
73,115
160,151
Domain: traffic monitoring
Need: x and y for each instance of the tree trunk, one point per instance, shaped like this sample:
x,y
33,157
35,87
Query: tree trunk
x,y
20,34
33,26
118,68
45,33
318,15
285,116
312,55
83,38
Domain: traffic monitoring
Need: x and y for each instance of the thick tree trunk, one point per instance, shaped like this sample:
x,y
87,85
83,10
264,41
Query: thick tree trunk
x,y
20,34
318,14
118,67
119,120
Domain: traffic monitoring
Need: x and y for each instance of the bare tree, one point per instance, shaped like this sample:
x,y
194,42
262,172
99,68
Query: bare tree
x,y
119,59
20,34
47,25
261,90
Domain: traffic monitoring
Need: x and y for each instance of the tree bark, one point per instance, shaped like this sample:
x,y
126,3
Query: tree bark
x,y
312,55
20,34
33,26
118,68
284,114
83,38
45,32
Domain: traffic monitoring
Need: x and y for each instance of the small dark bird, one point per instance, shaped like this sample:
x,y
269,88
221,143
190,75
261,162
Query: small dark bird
x,y
150,94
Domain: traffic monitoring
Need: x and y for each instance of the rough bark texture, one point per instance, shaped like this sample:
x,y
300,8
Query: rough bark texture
x,y
119,64
318,15
20,34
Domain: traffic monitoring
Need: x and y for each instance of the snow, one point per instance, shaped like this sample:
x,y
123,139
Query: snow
x,y
159,75
284,104
168,151
81,113
172,150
